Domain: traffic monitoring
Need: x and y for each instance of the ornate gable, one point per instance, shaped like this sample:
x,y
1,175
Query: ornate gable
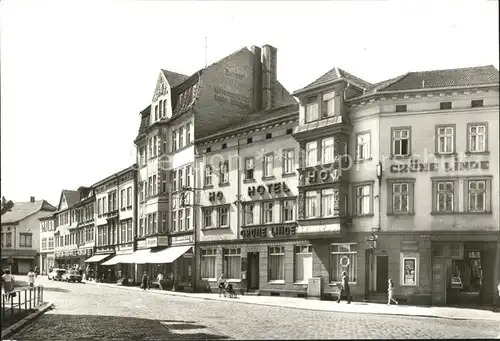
x,y
162,87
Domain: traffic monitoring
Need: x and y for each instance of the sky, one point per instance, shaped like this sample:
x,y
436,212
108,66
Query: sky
x,y
75,75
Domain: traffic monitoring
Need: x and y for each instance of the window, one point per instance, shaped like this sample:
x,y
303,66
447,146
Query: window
x,y
477,195
328,105
267,212
409,271
363,200
180,219
150,186
155,145
288,210
269,136
248,210
249,168
51,243
445,136
174,141
311,204
44,243
224,172
164,108
143,191
164,186
188,134
208,150
445,105
174,221
112,201
328,202
401,108
268,165
303,263
189,176
154,227
123,231
8,239
208,259
122,198
188,218
150,224
99,207
445,196
232,263
207,218
181,137
288,161
164,222
208,175
142,156
289,131
249,140
223,216
363,146
141,226
129,196
400,197
311,153
180,174
25,240
104,209
312,109
477,138
343,258
476,103
400,141
224,146
276,263
156,112
129,231
150,147
327,150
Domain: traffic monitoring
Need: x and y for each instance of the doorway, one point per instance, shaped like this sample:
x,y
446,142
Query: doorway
x,y
253,271
382,273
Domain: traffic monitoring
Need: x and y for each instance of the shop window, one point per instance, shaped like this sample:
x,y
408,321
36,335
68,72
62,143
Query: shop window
x,y
343,258
288,211
276,264
303,263
232,263
409,269
248,210
208,261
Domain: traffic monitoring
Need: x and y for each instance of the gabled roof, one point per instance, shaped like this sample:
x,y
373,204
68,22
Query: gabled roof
x,y
174,78
335,75
469,76
72,197
22,210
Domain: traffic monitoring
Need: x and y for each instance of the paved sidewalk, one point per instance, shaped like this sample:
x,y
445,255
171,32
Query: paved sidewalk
x,y
354,307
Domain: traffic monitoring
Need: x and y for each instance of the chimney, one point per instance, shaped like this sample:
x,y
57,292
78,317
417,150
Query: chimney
x,y
257,79
32,199
269,77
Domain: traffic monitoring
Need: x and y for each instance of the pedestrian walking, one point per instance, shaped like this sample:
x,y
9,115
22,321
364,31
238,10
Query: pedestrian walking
x,y
159,279
345,290
37,271
390,293
145,281
8,282
31,278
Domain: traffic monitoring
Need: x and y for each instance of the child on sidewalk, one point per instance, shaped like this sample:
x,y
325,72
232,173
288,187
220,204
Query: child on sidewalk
x,y
390,292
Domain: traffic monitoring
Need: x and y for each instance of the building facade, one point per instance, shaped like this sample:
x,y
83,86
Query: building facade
x,y
47,256
115,226
21,235
84,216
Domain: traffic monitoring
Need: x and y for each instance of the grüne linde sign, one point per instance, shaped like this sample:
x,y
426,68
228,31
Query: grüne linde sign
x,y
275,188
264,232
415,166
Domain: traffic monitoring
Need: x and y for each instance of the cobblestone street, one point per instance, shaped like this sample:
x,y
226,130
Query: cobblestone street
x,y
90,312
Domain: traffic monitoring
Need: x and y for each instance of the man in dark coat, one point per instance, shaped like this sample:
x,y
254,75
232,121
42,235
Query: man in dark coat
x,y
345,290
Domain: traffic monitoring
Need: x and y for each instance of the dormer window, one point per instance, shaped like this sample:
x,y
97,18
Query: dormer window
x,y
312,109
328,104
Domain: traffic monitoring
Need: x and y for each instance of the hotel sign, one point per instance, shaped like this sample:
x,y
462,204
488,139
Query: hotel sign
x,y
266,232
416,166
273,188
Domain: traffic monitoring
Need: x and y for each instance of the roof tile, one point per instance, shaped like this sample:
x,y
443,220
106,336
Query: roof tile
x,y
174,78
22,210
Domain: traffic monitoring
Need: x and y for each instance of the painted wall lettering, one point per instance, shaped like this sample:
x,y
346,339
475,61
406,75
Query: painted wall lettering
x,y
215,195
415,166
265,232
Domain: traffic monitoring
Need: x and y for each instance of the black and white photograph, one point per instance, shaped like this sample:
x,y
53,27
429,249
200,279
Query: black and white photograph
x,y
249,170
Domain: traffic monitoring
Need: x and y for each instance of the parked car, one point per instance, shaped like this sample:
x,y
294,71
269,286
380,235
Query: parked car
x,y
72,276
56,274
456,283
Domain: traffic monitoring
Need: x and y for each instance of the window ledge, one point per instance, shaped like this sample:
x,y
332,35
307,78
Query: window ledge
x,y
247,181
208,186
225,184
399,157
363,160
477,153
446,154
277,282
270,177
443,213
369,215
215,228
475,213
400,214
287,175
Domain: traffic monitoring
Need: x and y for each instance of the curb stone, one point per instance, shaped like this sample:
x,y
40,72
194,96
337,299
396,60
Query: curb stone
x,y
179,294
19,324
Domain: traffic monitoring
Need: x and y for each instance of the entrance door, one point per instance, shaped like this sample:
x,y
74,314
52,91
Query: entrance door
x,y
367,272
382,273
253,271
439,280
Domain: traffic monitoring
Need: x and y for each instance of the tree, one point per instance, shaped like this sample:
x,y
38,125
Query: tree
x,y
6,205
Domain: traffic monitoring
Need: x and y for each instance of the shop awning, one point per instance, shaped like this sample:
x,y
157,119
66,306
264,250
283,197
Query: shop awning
x,y
141,256
125,259
168,255
96,258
